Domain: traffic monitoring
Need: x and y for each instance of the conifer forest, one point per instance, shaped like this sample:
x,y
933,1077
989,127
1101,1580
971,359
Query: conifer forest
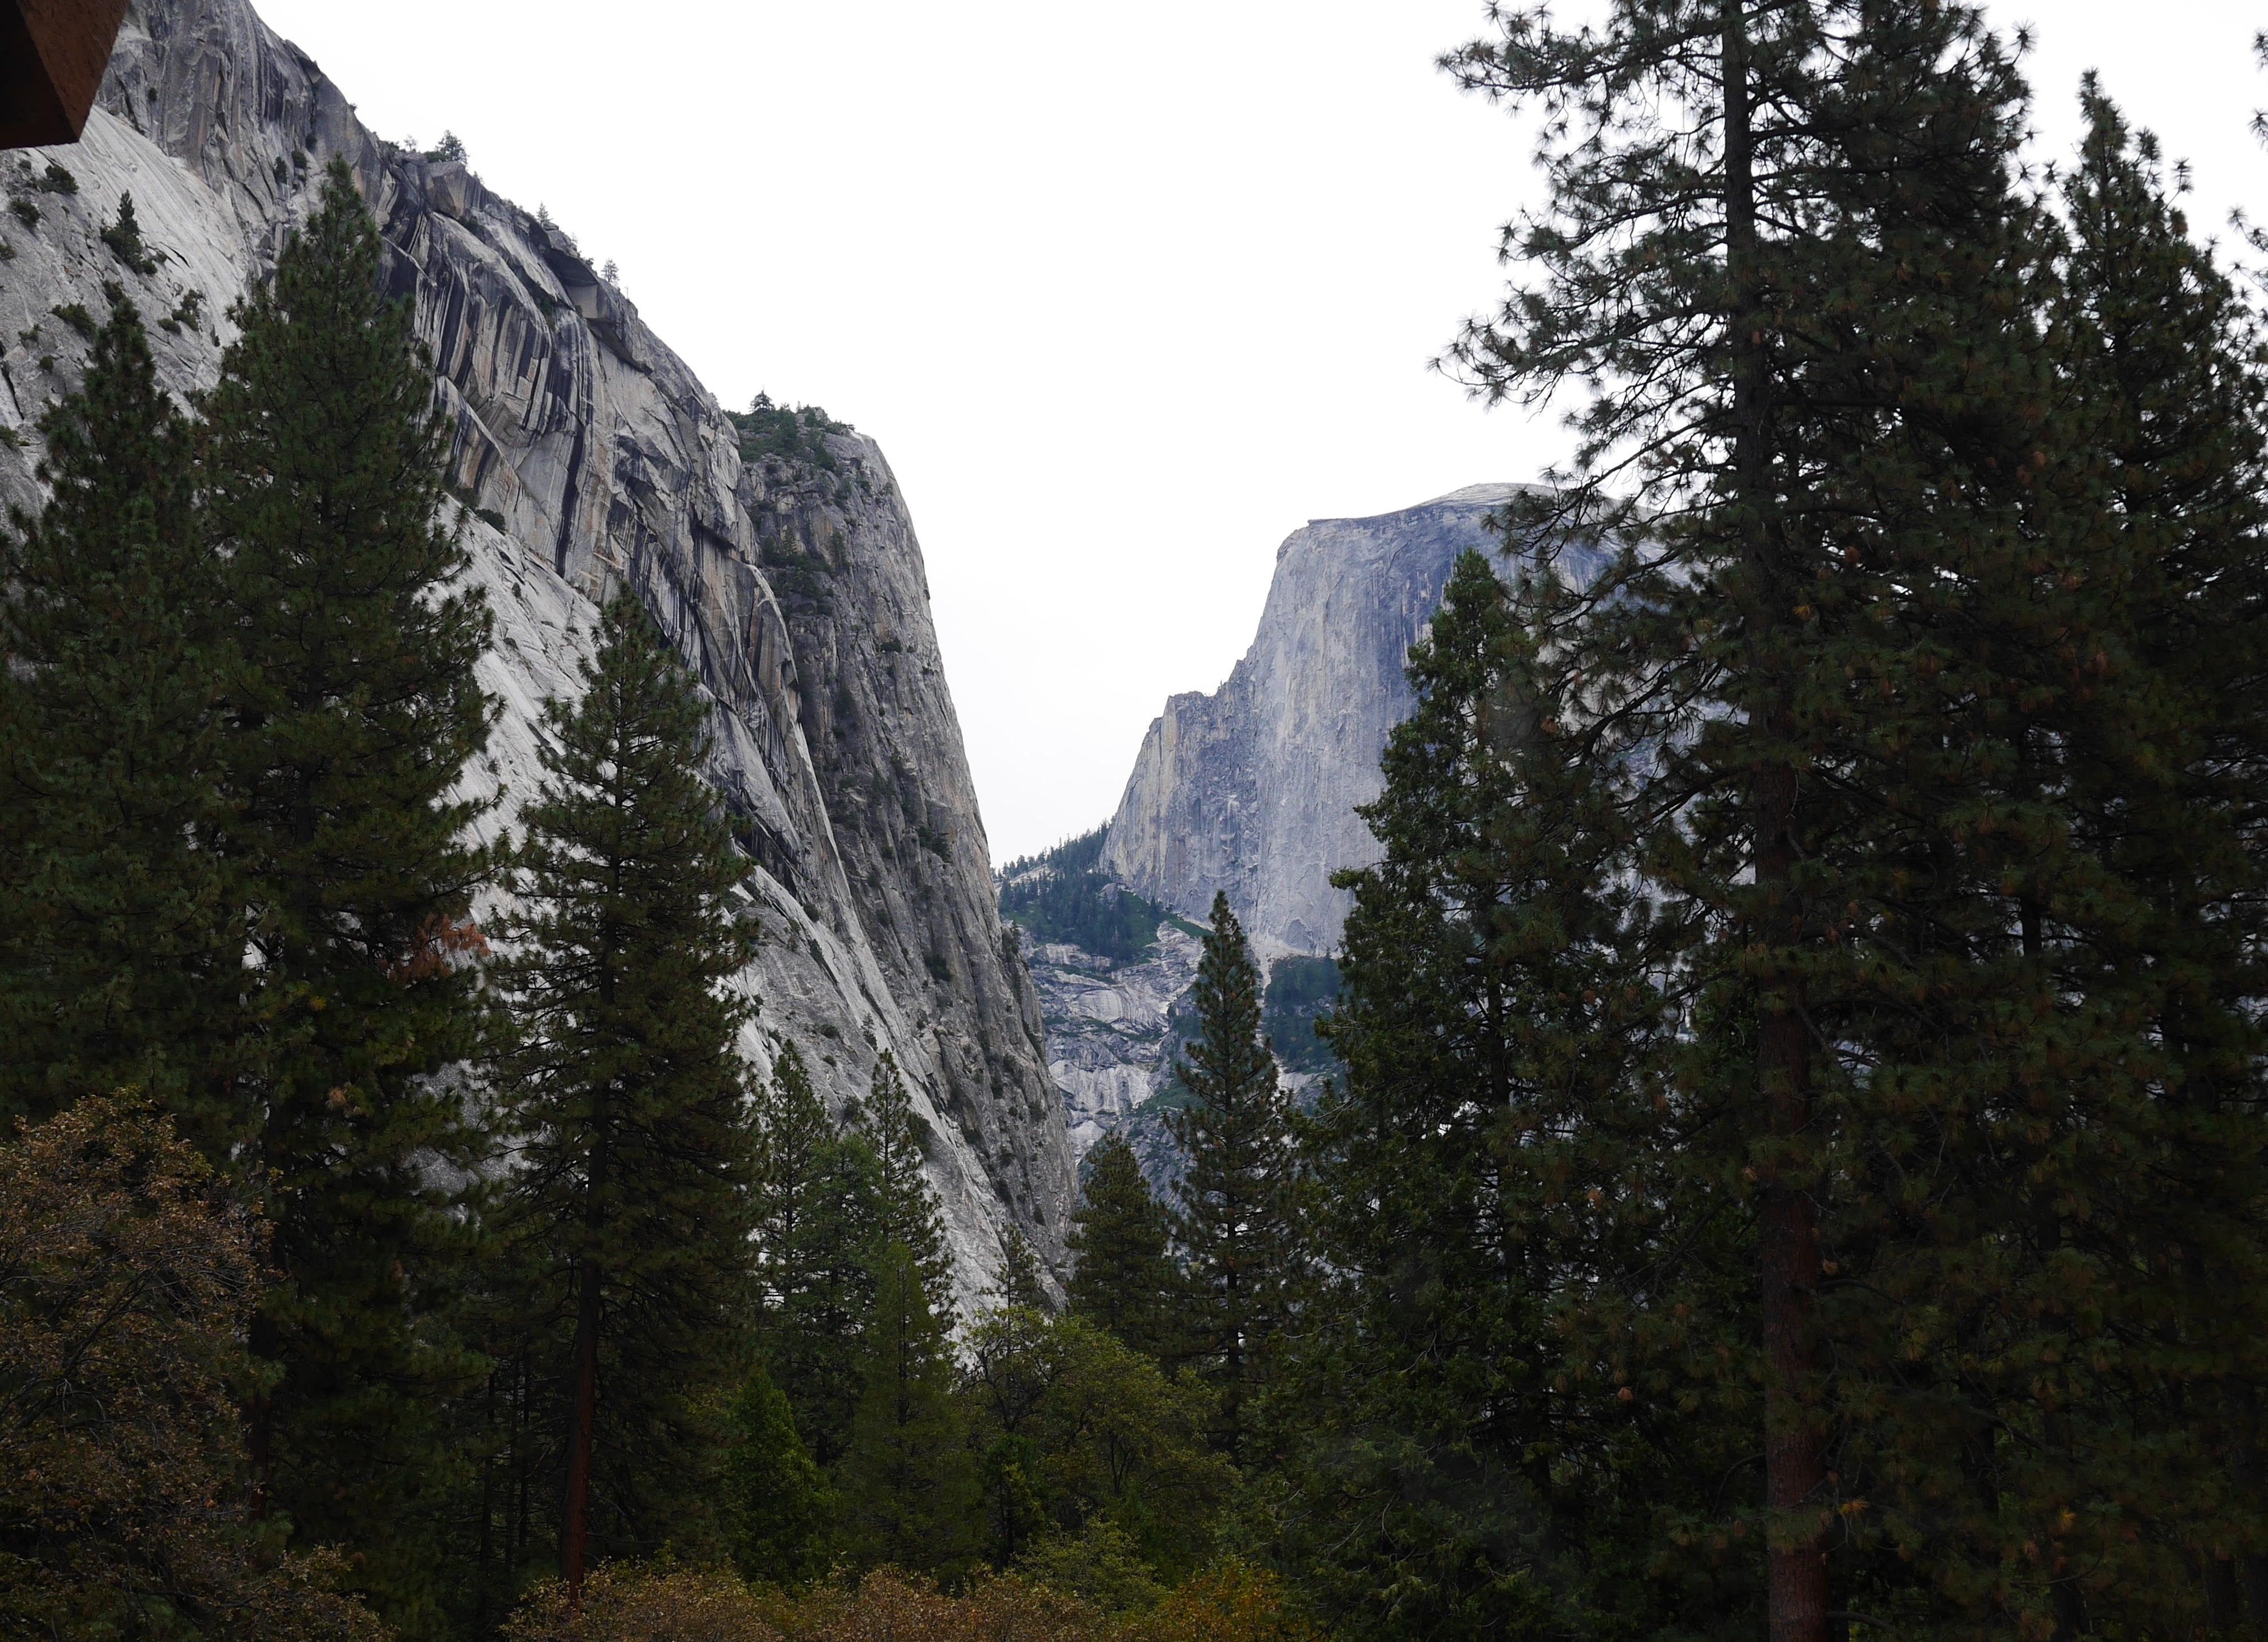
x,y
1780,1150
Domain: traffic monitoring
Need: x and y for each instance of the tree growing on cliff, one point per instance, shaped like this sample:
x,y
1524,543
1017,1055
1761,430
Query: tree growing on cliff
x,y
122,937
1237,1223
636,1162
353,711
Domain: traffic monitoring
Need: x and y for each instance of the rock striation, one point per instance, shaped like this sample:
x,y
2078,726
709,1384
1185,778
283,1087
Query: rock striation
x,y
1252,789
1110,1027
590,458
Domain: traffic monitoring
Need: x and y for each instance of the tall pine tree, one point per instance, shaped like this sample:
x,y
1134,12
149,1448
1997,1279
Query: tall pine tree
x,y
121,957
634,1158
1236,1225
1874,652
1466,1467
908,1480
910,1216
353,710
1123,1281
2165,368
818,1199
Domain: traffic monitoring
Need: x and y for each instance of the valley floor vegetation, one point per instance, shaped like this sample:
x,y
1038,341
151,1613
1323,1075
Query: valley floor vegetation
x,y
1795,1162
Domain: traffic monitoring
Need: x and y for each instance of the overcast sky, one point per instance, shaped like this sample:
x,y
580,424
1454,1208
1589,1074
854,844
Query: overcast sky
x,y
1126,292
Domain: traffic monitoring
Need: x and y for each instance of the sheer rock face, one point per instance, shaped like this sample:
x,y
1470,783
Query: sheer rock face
x,y
1110,1026
1253,789
836,749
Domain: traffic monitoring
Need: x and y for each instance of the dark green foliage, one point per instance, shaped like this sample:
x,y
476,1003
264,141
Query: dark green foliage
x,y
779,1513
1062,894
2168,365
450,149
353,710
55,180
1122,1280
1237,1225
1300,992
1480,1169
1076,1430
191,310
1864,721
122,937
818,1200
75,315
790,432
1020,1281
908,1215
25,212
908,1481
124,238
629,1204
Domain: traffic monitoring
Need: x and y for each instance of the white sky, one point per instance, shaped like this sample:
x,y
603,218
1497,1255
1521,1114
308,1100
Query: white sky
x,y
1127,292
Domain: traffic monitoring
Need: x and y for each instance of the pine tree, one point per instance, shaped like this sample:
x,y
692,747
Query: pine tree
x,y
121,947
1021,1281
910,1215
1123,1282
353,710
1869,641
818,1200
1236,1220
634,1160
2165,362
779,1512
908,1480
1466,1463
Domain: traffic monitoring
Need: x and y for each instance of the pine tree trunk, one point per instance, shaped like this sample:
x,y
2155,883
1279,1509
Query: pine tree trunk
x,y
574,1542
259,1420
583,1419
1796,1568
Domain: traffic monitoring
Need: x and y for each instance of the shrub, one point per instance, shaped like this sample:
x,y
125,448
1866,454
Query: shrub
x,y
27,213
75,315
55,180
1234,1602
127,1276
627,1602
663,1602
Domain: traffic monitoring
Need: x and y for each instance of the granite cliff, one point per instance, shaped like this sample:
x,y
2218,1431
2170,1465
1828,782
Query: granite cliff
x,y
1252,789
775,550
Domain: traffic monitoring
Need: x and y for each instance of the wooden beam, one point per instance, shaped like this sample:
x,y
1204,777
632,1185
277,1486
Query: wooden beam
x,y
52,57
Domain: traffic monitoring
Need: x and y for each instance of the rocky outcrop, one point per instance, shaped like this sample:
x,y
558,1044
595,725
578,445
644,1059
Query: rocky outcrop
x,y
1253,789
1110,1026
596,460
886,743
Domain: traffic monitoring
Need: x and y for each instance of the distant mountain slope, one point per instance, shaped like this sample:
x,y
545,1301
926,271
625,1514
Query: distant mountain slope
x,y
1253,789
780,559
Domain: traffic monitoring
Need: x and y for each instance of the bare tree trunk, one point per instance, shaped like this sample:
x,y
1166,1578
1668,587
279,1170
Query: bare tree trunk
x,y
1795,1471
